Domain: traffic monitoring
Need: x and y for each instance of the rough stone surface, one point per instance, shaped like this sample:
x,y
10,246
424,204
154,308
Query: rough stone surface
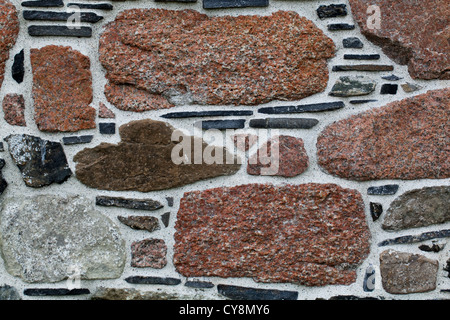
x,y
184,50
419,208
250,231
140,222
416,238
142,161
41,162
14,109
385,190
47,238
280,156
405,139
243,293
62,89
153,280
352,86
129,98
9,30
121,294
128,203
104,112
403,273
9,293
149,253
18,67
424,50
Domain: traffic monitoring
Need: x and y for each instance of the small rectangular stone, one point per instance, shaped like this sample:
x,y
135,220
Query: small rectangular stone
x,y
243,293
153,280
361,56
44,292
199,284
284,123
218,113
2,147
59,31
362,101
352,42
315,107
220,4
332,11
388,189
59,16
43,4
388,88
340,26
363,67
137,204
107,128
77,139
18,67
96,6
416,238
221,124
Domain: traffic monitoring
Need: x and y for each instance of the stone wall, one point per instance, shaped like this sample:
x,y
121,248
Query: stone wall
x,y
221,149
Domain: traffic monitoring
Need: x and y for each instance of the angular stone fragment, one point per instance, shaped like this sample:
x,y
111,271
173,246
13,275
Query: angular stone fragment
x,y
280,156
314,107
243,293
388,189
409,87
59,31
136,204
340,26
389,88
331,11
352,86
165,218
392,77
406,139
9,30
153,280
14,109
104,112
47,238
283,123
149,224
251,231
352,42
149,253
143,160
126,294
221,4
45,292
199,284
376,209
419,208
403,273
107,128
433,247
416,238
9,293
77,139
363,67
221,124
62,89
59,16
18,68
423,49
41,162
195,58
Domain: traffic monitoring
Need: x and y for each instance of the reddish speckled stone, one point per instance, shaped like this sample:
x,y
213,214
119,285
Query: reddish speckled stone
x,y
189,57
62,89
14,109
281,156
129,98
149,253
104,112
406,139
311,234
412,33
9,29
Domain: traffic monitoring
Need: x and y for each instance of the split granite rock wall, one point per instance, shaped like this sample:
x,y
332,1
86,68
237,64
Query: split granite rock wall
x,y
224,149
